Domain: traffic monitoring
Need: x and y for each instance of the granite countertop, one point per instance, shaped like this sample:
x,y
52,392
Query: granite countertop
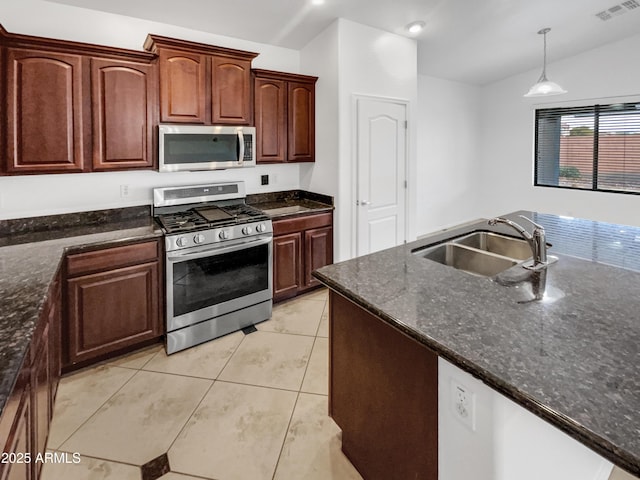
x,y
571,357
292,203
29,263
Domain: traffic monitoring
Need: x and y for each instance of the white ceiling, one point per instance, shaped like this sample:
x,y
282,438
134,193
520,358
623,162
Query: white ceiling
x,y
471,41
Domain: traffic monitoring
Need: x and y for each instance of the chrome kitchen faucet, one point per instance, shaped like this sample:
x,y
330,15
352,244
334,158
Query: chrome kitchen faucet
x,y
535,239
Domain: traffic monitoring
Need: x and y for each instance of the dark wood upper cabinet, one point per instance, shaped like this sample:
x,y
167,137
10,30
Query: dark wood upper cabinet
x,y
301,118
182,86
284,109
45,125
75,107
122,102
202,83
271,119
230,91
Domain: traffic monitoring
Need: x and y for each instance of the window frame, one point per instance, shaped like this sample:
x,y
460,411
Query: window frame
x,y
595,104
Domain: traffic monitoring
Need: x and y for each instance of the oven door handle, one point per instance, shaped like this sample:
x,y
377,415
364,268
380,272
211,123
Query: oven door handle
x,y
209,252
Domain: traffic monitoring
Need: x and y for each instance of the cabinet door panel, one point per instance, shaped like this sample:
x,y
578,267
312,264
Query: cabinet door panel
x,y
41,407
287,265
20,441
44,112
271,120
318,247
111,310
301,124
182,86
122,104
230,91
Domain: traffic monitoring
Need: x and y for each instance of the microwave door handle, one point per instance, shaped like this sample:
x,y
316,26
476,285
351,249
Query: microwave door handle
x,y
209,252
241,146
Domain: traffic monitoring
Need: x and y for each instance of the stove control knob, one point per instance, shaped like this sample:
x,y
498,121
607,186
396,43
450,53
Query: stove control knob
x,y
247,230
199,238
181,242
223,235
260,227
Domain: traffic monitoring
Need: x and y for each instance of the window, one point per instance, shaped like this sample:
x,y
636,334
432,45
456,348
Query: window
x,y
589,148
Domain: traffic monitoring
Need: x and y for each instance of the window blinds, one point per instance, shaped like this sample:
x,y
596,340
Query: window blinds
x,y
590,148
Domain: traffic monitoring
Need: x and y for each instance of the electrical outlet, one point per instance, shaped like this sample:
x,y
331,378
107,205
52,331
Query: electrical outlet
x,y
124,191
264,179
463,403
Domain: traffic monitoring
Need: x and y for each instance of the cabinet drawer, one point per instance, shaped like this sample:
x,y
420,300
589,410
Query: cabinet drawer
x,y
298,224
110,258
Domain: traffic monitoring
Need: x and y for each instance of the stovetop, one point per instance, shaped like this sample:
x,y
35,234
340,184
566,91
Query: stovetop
x,y
208,216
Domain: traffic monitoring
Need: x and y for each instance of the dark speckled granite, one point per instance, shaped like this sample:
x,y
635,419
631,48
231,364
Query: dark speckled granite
x,y
571,358
28,269
271,202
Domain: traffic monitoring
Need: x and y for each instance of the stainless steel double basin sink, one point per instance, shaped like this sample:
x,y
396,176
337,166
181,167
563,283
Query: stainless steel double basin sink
x,y
480,253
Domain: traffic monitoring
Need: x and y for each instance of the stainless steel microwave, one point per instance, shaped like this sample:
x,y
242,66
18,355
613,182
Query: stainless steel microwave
x,y
205,147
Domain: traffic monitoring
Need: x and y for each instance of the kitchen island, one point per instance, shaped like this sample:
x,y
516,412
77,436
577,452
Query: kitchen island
x,y
569,356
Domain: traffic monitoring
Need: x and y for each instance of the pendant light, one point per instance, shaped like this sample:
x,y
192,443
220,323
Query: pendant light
x,y
544,86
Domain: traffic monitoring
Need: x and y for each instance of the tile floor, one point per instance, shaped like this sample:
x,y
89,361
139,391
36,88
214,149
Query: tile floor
x,y
242,407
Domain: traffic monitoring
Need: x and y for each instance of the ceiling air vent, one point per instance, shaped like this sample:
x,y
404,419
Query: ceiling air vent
x,y
616,10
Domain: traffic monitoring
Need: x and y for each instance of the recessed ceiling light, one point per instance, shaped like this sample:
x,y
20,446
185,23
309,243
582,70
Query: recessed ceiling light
x,y
415,27
317,2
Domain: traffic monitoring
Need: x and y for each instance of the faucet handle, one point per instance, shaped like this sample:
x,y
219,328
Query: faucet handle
x,y
532,222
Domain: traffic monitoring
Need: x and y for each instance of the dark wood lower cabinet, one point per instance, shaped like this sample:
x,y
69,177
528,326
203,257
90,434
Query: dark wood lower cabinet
x,y
287,272
383,394
113,301
24,425
300,245
318,248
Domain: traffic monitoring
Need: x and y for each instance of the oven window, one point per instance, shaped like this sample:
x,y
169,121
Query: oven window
x,y
200,148
208,281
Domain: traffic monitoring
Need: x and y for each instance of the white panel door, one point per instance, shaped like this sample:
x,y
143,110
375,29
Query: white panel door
x,y
381,163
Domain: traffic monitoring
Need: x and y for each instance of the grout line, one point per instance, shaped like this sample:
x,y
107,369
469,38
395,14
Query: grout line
x,y
96,410
83,456
286,434
187,421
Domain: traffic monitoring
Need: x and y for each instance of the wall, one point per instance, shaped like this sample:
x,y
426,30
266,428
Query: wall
x,y
369,62
447,161
508,443
320,57
506,135
50,194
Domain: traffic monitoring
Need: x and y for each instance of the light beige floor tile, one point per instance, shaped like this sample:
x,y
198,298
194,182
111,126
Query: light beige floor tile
x,y
90,469
316,379
618,474
312,449
139,422
137,359
80,395
270,359
235,434
323,328
178,476
206,360
321,294
296,316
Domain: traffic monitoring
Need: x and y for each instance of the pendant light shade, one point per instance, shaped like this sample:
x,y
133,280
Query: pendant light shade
x,y
544,86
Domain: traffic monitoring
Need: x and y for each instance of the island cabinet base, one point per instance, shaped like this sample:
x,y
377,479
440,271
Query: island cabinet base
x,y
383,394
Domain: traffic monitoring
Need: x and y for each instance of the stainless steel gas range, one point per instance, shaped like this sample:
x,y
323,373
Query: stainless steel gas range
x,y
219,261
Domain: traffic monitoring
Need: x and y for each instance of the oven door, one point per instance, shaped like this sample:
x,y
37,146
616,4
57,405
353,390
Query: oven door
x,y
209,281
